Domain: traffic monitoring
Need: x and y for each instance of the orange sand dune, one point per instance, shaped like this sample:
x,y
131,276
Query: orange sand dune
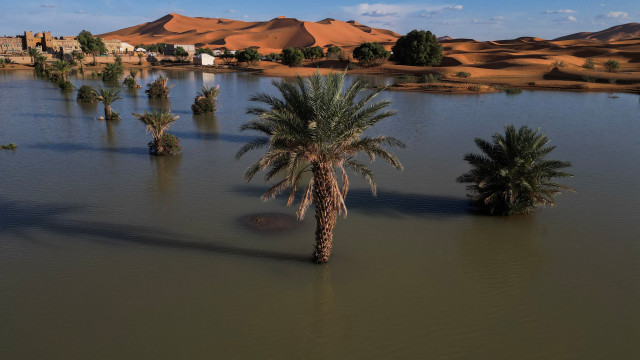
x,y
266,36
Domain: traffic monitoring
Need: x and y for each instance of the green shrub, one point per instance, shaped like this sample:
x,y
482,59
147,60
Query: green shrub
x,y
292,57
418,48
113,71
612,66
312,53
66,85
158,89
513,90
429,78
248,56
588,64
11,146
613,81
589,79
558,64
474,88
371,54
463,74
334,52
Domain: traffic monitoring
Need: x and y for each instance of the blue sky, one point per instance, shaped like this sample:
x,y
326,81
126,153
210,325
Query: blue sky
x,y
478,19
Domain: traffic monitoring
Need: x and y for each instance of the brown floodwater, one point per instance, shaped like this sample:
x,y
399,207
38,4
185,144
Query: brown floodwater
x,y
109,253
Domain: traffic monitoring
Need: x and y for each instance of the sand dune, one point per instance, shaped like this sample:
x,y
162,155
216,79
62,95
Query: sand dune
x,y
267,36
615,33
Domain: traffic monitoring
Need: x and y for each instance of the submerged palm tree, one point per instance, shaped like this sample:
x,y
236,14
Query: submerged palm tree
x,y
130,80
316,128
107,96
158,88
205,101
157,123
62,68
512,176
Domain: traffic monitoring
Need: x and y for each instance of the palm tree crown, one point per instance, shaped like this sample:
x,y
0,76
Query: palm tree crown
x,y
107,96
512,176
62,67
157,122
317,128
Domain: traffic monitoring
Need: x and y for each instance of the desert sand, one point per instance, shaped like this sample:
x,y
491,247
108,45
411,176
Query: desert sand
x,y
526,62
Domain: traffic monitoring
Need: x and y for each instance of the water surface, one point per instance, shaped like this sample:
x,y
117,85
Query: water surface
x,y
108,253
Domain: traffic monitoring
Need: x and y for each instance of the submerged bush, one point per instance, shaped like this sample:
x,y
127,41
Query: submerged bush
x,y
66,85
513,90
158,88
168,144
205,101
87,94
11,146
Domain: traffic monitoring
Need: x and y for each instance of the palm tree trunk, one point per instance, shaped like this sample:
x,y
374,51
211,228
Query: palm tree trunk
x,y
326,211
107,112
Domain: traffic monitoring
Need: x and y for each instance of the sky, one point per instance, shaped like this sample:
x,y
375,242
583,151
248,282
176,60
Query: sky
x,y
477,19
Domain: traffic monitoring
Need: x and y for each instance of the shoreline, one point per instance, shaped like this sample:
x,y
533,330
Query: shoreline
x,y
554,79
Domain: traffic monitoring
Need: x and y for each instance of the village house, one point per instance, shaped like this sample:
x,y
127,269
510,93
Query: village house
x,y
10,44
203,60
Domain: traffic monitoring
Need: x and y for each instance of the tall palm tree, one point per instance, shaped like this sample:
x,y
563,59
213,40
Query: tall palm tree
x,y
62,67
107,96
317,128
33,52
512,176
79,56
157,122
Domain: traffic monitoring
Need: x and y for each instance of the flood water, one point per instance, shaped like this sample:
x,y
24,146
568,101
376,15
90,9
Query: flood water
x,y
108,253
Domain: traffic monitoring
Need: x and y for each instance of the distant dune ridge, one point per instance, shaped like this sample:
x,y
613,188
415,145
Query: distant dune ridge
x,y
616,33
266,36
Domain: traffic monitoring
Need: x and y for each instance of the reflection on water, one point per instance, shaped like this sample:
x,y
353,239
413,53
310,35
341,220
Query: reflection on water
x,y
97,236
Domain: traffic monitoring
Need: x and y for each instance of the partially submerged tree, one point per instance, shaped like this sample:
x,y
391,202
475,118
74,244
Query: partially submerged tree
x,y
512,175
418,48
112,71
371,54
158,88
87,94
61,68
205,101
130,80
157,123
107,96
317,129
79,57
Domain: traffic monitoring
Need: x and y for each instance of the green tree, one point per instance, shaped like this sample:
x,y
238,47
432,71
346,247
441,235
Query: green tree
x,y
334,52
418,48
156,123
317,128
248,56
292,57
371,54
313,53
181,54
204,51
227,56
512,176
612,66
108,96
91,44
40,64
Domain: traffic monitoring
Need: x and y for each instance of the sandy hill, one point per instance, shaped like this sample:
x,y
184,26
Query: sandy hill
x,y
266,36
620,32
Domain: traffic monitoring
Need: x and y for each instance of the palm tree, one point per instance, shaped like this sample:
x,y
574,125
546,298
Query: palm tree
x,y
62,67
33,52
112,71
130,80
80,57
107,96
316,128
205,101
157,122
512,176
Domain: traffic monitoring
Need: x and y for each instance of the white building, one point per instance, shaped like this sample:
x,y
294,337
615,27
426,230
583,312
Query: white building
x,y
203,59
126,48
